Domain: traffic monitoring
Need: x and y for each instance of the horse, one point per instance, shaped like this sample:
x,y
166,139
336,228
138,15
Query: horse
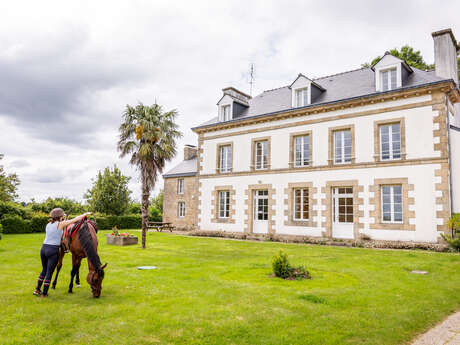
x,y
83,246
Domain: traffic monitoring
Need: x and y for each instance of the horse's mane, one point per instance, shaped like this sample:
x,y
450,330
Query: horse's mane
x,y
86,241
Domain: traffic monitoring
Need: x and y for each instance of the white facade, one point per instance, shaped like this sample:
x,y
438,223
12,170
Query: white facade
x,y
420,167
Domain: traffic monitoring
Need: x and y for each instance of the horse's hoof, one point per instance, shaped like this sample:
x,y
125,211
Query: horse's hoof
x,y
53,287
70,291
78,285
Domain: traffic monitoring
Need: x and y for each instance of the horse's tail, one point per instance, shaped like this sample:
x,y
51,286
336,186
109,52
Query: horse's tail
x,y
86,240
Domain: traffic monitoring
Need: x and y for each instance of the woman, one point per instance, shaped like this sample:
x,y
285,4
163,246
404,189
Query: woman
x,y
50,248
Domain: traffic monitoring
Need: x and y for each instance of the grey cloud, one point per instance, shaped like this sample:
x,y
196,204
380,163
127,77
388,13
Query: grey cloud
x,y
19,163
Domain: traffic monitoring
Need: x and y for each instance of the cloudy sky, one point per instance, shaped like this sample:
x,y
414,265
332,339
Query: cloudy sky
x,y
68,68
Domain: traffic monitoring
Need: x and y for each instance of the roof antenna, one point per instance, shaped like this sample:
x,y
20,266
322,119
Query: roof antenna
x,y
251,76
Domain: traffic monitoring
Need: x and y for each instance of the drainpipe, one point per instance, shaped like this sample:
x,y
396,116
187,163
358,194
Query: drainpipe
x,y
450,158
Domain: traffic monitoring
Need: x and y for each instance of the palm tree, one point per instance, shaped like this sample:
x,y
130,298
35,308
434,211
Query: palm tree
x,y
149,136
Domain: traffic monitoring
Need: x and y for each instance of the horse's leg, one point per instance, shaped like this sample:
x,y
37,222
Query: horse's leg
x,y
59,265
77,278
75,264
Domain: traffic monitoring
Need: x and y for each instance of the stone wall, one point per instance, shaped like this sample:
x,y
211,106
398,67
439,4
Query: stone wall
x,y
172,198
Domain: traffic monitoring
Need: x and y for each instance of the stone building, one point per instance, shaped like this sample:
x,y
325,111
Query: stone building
x,y
373,151
180,192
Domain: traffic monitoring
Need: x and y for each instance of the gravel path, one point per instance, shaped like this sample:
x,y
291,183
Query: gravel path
x,y
445,333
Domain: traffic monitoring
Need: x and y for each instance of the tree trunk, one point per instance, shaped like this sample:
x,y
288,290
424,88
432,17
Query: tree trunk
x,y
145,210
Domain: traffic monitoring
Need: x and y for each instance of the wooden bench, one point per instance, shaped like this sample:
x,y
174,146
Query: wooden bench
x,y
160,226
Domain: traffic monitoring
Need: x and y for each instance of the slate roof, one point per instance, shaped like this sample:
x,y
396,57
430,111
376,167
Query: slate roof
x,y
184,168
339,87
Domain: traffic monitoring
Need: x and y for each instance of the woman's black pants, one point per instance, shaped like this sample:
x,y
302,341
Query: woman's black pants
x,y
49,255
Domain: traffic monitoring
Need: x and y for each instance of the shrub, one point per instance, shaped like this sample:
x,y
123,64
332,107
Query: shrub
x,y
14,224
1,230
38,223
280,265
129,222
282,268
454,241
155,214
13,209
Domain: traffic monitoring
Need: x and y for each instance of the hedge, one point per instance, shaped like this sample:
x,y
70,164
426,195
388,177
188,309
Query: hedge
x,y
14,224
11,208
122,222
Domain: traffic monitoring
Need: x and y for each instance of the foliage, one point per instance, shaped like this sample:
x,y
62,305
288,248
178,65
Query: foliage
x,y
110,193
408,54
8,184
155,215
122,222
282,268
38,222
280,265
148,136
157,201
454,241
134,208
13,209
68,205
14,224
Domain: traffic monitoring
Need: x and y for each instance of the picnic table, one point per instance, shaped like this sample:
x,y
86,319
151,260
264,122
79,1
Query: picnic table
x,y
160,226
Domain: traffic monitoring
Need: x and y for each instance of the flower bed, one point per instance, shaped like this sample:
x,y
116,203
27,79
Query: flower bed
x,y
121,239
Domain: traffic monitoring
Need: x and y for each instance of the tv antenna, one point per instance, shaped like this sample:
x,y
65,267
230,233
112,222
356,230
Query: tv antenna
x,y
251,76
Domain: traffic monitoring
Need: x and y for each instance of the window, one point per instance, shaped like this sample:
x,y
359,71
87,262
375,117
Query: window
x,y
181,209
302,150
392,204
180,186
342,147
388,79
261,155
225,158
301,97
224,204
301,204
225,113
261,205
390,141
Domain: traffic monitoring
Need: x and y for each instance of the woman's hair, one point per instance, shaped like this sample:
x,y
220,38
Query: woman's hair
x,y
55,219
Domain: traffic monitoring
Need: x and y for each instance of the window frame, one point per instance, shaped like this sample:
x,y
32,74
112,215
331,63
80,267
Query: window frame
x,y
303,91
389,72
377,138
224,117
180,186
343,156
392,204
181,209
254,143
390,142
292,145
219,148
303,198
226,204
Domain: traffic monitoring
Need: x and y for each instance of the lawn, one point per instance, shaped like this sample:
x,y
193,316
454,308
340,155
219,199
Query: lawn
x,y
215,291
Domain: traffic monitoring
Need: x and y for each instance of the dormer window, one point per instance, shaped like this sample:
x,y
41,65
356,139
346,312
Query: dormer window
x,y
225,112
301,97
388,79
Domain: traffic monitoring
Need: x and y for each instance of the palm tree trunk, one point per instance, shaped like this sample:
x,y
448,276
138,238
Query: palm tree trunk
x,y
145,210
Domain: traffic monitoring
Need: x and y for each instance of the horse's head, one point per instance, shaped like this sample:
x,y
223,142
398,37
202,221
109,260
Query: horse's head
x,y
94,279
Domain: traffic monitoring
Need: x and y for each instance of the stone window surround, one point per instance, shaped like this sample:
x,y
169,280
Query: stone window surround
x,y
357,201
215,205
377,143
292,137
249,207
253,153
377,202
350,127
179,192
289,204
179,208
229,143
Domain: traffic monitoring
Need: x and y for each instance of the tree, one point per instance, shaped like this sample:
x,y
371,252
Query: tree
x,y
157,201
70,206
407,53
8,184
148,135
110,193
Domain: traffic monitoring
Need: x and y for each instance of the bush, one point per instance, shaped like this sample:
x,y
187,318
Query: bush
x,y
38,223
454,241
13,209
155,214
282,268
14,224
1,230
122,222
280,265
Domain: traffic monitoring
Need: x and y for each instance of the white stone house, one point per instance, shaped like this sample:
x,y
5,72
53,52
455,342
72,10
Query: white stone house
x,y
373,151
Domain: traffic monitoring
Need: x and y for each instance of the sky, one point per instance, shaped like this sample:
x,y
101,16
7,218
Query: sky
x,y
69,68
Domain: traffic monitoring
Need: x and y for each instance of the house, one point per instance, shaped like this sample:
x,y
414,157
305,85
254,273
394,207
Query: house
x,y
373,151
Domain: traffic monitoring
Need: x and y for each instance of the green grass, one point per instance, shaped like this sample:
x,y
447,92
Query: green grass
x,y
214,291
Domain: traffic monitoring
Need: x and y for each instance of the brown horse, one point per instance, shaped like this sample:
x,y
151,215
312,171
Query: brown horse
x,y
84,245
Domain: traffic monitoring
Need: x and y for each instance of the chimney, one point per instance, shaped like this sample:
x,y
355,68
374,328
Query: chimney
x,y
237,94
189,152
445,54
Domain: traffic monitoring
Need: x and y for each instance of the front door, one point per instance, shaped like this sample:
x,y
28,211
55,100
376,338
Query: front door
x,y
260,217
342,215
